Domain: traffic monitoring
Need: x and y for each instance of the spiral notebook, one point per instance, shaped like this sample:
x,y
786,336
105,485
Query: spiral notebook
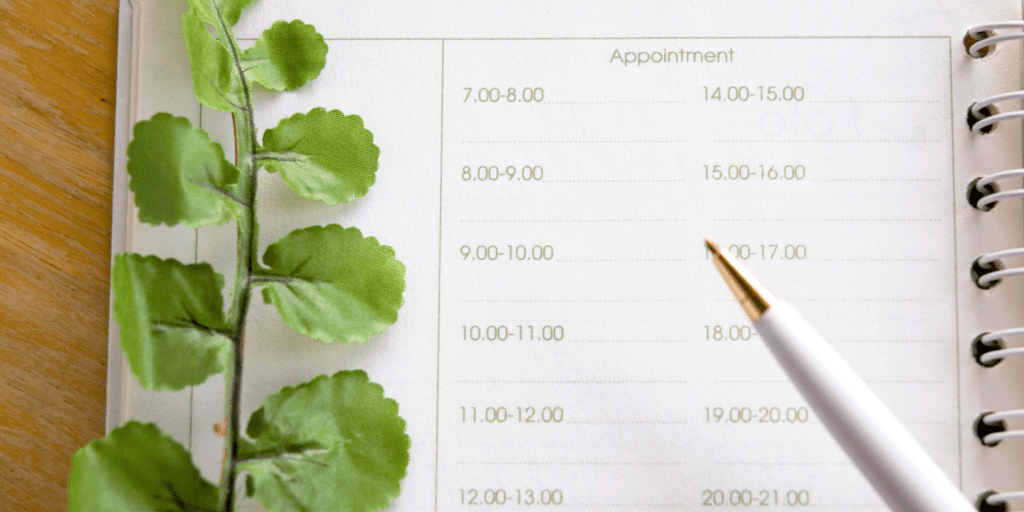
x,y
548,173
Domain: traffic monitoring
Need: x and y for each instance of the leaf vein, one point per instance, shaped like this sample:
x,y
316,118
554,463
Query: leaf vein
x,y
217,190
278,156
193,325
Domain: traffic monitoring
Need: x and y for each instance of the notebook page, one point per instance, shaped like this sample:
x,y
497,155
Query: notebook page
x,y
565,341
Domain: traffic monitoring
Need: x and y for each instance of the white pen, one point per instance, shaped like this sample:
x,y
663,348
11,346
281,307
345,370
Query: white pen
x,y
888,456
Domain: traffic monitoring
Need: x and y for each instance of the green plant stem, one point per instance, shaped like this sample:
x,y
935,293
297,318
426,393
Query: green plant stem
x,y
248,240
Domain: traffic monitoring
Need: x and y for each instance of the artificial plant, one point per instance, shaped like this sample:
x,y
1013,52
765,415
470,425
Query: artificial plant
x,y
334,443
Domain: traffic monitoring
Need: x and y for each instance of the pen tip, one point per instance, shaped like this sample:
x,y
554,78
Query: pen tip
x,y
753,297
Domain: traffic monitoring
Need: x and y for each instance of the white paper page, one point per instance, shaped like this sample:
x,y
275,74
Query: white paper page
x,y
548,175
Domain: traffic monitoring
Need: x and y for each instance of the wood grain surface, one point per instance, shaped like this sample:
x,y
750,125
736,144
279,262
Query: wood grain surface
x,y
57,82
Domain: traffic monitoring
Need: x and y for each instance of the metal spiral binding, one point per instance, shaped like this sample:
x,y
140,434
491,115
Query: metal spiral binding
x,y
989,348
980,42
983,116
992,501
989,270
981,37
983,193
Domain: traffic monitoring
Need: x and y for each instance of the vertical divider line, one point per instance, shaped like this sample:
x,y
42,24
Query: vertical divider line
x,y
440,225
956,278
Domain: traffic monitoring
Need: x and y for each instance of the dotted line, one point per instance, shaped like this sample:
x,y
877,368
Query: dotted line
x,y
879,506
595,341
575,220
615,181
828,220
866,380
750,382
574,300
783,463
873,101
877,260
825,140
573,463
666,505
589,341
625,341
887,341
573,381
616,261
612,102
909,180
850,300
867,300
905,381
628,422
638,141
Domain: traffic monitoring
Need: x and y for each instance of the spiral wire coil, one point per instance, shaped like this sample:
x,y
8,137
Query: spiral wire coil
x,y
983,36
989,348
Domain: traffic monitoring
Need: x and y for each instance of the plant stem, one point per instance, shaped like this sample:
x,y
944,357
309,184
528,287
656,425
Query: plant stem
x,y
248,240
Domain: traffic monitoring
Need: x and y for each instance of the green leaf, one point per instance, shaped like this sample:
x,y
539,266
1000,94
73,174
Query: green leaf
x,y
204,10
207,9
326,156
137,468
331,284
172,320
331,444
179,175
232,9
286,56
215,79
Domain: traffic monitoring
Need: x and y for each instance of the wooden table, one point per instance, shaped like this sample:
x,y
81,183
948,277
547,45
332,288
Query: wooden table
x,y
57,76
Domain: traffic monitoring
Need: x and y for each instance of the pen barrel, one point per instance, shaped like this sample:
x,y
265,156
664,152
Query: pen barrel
x,y
888,456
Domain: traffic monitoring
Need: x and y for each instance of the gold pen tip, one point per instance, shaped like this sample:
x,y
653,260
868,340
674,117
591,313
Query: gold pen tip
x,y
753,297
